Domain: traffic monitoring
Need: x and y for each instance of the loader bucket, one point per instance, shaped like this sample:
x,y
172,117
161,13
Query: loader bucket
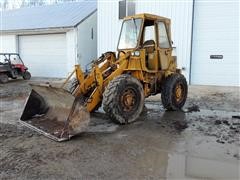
x,y
54,112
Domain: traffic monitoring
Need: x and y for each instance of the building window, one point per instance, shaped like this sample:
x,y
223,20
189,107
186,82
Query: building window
x,y
126,8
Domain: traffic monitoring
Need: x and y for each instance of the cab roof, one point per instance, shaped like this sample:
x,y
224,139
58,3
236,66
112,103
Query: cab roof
x,y
148,16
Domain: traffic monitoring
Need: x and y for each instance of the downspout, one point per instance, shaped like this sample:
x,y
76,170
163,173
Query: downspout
x,y
191,54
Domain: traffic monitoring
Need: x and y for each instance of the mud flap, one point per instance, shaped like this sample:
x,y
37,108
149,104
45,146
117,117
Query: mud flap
x,y
55,113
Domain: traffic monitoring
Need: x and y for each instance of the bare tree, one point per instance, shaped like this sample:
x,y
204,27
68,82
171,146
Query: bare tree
x,y
63,1
35,3
24,3
14,4
5,4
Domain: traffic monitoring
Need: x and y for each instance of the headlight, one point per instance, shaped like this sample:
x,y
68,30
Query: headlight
x,y
135,53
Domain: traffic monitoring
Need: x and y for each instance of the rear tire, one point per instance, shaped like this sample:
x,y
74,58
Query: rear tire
x,y
174,92
123,99
26,75
3,78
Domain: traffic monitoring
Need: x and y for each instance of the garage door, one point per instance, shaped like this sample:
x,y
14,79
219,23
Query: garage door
x,y
7,44
44,55
215,58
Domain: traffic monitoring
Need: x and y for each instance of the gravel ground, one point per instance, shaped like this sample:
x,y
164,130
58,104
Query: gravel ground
x,y
167,145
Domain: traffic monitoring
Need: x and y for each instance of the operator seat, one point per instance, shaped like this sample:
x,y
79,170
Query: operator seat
x,y
149,46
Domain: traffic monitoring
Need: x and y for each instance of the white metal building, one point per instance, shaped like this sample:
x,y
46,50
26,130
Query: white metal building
x,y
51,39
205,34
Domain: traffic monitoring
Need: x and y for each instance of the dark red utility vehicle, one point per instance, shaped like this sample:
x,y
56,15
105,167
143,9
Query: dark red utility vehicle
x,y
12,66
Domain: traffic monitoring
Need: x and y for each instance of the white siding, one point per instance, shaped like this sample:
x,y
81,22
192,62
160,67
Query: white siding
x,y
71,40
180,12
108,26
216,32
87,44
8,44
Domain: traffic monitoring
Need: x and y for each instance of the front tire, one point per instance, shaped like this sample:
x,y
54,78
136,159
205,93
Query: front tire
x,y
26,75
174,92
123,99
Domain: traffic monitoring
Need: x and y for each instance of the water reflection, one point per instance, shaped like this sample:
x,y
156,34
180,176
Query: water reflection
x,y
160,164
180,166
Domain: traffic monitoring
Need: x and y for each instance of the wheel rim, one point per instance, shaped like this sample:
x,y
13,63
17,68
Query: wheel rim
x,y
129,100
179,92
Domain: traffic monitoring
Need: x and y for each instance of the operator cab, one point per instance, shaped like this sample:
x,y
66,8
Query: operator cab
x,y
148,35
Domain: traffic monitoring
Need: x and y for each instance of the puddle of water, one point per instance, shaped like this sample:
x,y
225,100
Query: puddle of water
x,y
157,107
224,114
106,128
180,166
158,163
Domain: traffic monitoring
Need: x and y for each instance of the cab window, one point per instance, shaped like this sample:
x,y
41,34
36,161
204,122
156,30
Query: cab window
x,y
149,33
129,34
163,37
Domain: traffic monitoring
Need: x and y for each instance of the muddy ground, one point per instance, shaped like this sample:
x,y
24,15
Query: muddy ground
x,y
200,143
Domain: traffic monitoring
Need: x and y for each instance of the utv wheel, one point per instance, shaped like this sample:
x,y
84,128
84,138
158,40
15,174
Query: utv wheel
x,y
123,99
26,75
3,78
174,92
14,74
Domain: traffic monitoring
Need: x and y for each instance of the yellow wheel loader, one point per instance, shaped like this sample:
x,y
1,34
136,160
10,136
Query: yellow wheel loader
x,y
143,66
